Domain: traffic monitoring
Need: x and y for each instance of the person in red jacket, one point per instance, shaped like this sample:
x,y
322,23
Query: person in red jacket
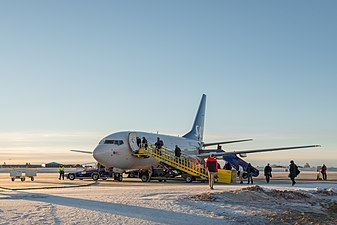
x,y
212,169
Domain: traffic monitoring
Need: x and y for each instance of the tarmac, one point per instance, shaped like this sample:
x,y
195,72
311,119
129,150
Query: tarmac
x,y
48,200
41,181
50,180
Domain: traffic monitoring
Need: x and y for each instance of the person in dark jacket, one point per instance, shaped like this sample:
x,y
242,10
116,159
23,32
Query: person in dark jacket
x,y
227,166
159,144
267,172
139,141
323,171
293,172
177,151
250,173
212,169
144,143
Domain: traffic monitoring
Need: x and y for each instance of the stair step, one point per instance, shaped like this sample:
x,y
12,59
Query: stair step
x,y
167,156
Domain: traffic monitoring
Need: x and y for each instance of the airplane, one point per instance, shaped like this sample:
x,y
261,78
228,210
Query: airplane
x,y
116,151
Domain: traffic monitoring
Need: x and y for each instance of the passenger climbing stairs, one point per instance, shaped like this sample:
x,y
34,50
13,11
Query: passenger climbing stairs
x,y
168,157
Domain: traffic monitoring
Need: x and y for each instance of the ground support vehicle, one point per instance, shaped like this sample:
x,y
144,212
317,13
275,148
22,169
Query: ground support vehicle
x,y
161,174
94,174
132,173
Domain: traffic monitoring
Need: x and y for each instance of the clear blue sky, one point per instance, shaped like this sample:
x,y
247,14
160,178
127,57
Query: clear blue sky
x,y
74,71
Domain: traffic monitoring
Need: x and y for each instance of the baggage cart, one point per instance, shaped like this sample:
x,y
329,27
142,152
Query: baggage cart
x,y
31,174
16,174
22,174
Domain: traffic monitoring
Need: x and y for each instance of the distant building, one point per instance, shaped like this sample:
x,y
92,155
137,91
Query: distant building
x,y
307,165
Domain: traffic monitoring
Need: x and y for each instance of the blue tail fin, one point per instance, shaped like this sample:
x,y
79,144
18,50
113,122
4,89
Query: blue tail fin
x,y
197,131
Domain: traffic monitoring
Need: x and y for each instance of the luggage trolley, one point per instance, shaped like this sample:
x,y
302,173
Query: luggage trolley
x,y
31,174
20,174
16,174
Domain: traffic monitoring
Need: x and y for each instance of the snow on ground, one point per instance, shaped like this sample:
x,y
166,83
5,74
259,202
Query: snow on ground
x,y
133,202
264,205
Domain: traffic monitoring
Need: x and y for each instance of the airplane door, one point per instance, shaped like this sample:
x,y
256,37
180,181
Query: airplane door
x,y
133,141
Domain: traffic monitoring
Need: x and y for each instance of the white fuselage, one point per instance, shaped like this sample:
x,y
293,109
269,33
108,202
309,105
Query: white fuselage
x,y
116,150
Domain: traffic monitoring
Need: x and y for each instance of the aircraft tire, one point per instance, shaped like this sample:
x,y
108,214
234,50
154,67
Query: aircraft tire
x,y
120,177
144,177
32,178
188,179
13,179
71,176
23,179
95,176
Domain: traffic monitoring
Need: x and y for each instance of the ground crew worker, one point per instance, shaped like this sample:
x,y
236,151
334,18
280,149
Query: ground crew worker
x,y
61,171
212,169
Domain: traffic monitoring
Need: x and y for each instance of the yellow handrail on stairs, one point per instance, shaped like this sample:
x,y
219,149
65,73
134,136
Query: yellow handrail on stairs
x,y
168,157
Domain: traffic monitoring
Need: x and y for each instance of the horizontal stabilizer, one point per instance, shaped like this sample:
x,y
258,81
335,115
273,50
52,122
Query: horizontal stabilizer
x,y
225,142
257,150
82,151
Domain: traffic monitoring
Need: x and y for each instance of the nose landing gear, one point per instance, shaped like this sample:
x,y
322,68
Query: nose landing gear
x,y
118,177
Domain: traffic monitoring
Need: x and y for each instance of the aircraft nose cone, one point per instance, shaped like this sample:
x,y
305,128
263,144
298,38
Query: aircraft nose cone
x,y
101,155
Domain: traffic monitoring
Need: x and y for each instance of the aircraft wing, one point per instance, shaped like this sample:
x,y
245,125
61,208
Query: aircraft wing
x,y
225,142
82,151
204,155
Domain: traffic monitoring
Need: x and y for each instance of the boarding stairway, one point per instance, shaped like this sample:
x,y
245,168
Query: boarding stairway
x,y
167,156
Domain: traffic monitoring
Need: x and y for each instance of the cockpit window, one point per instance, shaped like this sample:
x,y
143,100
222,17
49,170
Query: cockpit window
x,y
111,142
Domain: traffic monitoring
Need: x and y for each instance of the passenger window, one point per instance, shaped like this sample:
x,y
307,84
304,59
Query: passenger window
x,y
120,142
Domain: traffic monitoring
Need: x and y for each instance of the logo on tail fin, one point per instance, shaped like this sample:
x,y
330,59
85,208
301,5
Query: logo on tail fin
x,y
197,132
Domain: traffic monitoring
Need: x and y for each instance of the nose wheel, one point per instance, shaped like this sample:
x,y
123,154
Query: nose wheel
x,y
145,177
118,177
